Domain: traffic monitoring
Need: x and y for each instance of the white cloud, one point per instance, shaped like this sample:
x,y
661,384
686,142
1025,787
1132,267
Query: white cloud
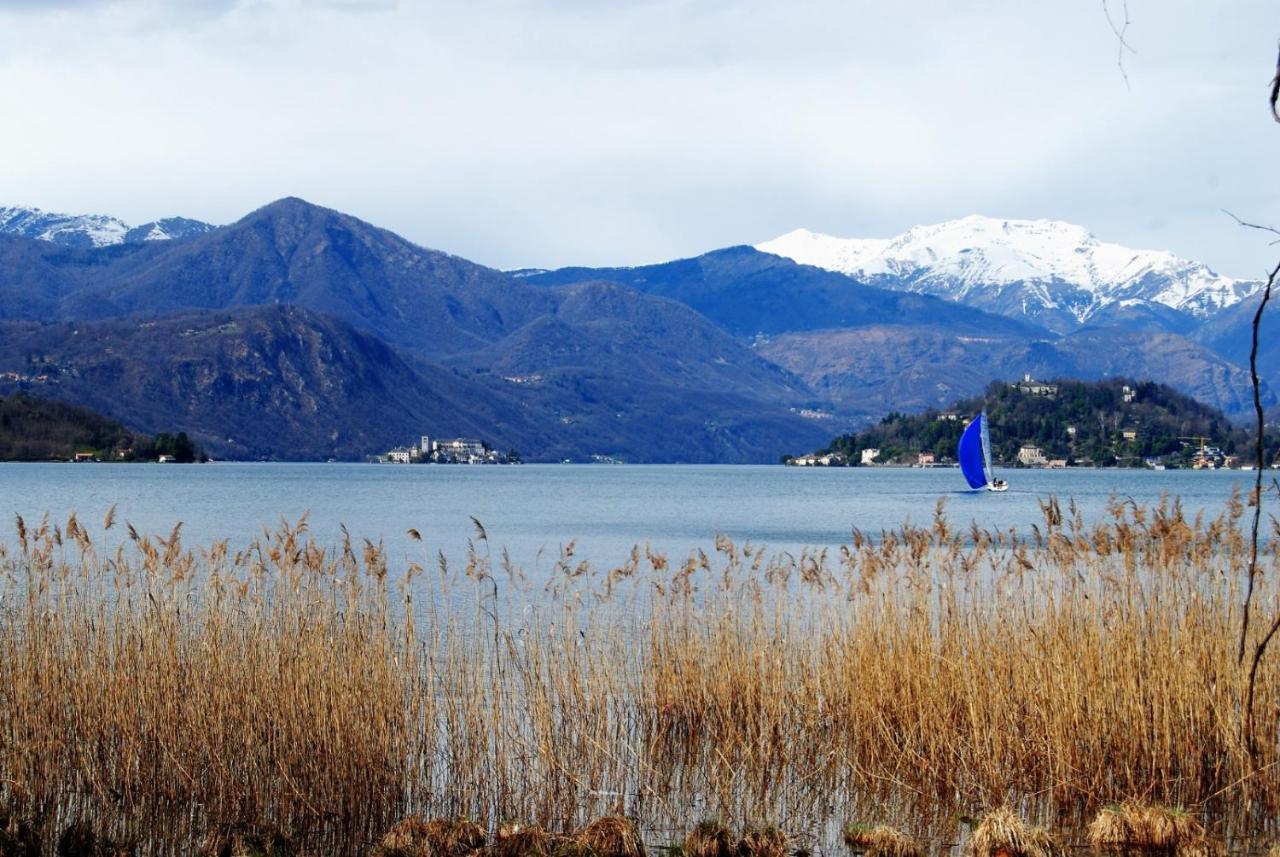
x,y
581,132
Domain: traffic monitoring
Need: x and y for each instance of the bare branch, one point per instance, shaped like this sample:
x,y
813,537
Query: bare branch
x,y
1120,33
1273,230
1258,465
1275,91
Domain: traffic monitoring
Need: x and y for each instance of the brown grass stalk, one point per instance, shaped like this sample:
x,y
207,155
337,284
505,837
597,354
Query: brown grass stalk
x,y
159,693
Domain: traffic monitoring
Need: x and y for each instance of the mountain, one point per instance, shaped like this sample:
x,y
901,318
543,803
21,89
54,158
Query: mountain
x,y
293,252
891,367
737,355
1117,421
590,369
167,229
609,328
270,382
868,350
286,383
1051,273
748,292
92,230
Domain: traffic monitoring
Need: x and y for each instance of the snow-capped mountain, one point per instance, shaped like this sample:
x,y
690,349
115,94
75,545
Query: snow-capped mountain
x,y
93,230
1053,273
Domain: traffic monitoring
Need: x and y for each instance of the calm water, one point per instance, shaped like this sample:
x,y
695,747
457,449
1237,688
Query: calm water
x,y
534,508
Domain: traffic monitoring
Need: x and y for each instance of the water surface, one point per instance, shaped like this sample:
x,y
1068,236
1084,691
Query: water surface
x,y
533,510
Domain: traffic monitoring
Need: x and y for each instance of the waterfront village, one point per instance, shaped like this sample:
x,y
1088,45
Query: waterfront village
x,y
1204,458
458,450
1124,442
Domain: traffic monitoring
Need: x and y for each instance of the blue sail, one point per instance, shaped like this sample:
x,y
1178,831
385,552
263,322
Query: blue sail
x,y
970,453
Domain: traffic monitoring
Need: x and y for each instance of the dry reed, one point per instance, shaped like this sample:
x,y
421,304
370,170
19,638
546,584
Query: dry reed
x,y
709,839
767,841
158,693
1002,833
80,840
525,840
238,840
1133,826
612,836
881,840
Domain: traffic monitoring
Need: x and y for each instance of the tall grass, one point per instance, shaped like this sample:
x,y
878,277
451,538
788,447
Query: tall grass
x,y
155,694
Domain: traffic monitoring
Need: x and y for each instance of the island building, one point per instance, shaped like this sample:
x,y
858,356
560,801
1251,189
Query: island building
x,y
458,450
831,459
870,455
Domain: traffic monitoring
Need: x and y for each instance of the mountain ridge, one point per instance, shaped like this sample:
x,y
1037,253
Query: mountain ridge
x,y
93,230
734,355
1054,273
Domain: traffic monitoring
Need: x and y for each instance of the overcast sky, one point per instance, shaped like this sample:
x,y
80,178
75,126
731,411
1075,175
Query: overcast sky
x,y
554,132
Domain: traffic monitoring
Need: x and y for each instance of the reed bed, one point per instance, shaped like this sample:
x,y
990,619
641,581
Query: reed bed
x,y
155,694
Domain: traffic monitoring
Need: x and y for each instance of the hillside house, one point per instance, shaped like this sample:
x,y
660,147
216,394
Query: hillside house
x,y
1031,456
869,456
1129,434
1032,387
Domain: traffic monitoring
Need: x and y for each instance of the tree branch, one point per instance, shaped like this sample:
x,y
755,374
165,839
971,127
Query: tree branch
x,y
1120,33
1275,91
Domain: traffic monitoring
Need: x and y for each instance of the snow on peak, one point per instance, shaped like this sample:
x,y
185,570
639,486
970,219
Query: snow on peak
x,y
91,230
84,230
1055,265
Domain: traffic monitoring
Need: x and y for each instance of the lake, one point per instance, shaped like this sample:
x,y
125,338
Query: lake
x,y
537,508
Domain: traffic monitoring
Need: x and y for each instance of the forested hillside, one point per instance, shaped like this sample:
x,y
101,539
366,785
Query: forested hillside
x,y
34,429
1110,422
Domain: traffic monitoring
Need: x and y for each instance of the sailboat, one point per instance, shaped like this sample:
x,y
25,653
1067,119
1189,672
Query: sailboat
x,y
974,454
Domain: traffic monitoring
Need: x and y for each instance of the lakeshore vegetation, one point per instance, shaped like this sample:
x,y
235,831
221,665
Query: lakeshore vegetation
x,y
294,695
37,429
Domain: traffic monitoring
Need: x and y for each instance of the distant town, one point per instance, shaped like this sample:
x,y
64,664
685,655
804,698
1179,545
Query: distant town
x,y
1053,425
457,450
